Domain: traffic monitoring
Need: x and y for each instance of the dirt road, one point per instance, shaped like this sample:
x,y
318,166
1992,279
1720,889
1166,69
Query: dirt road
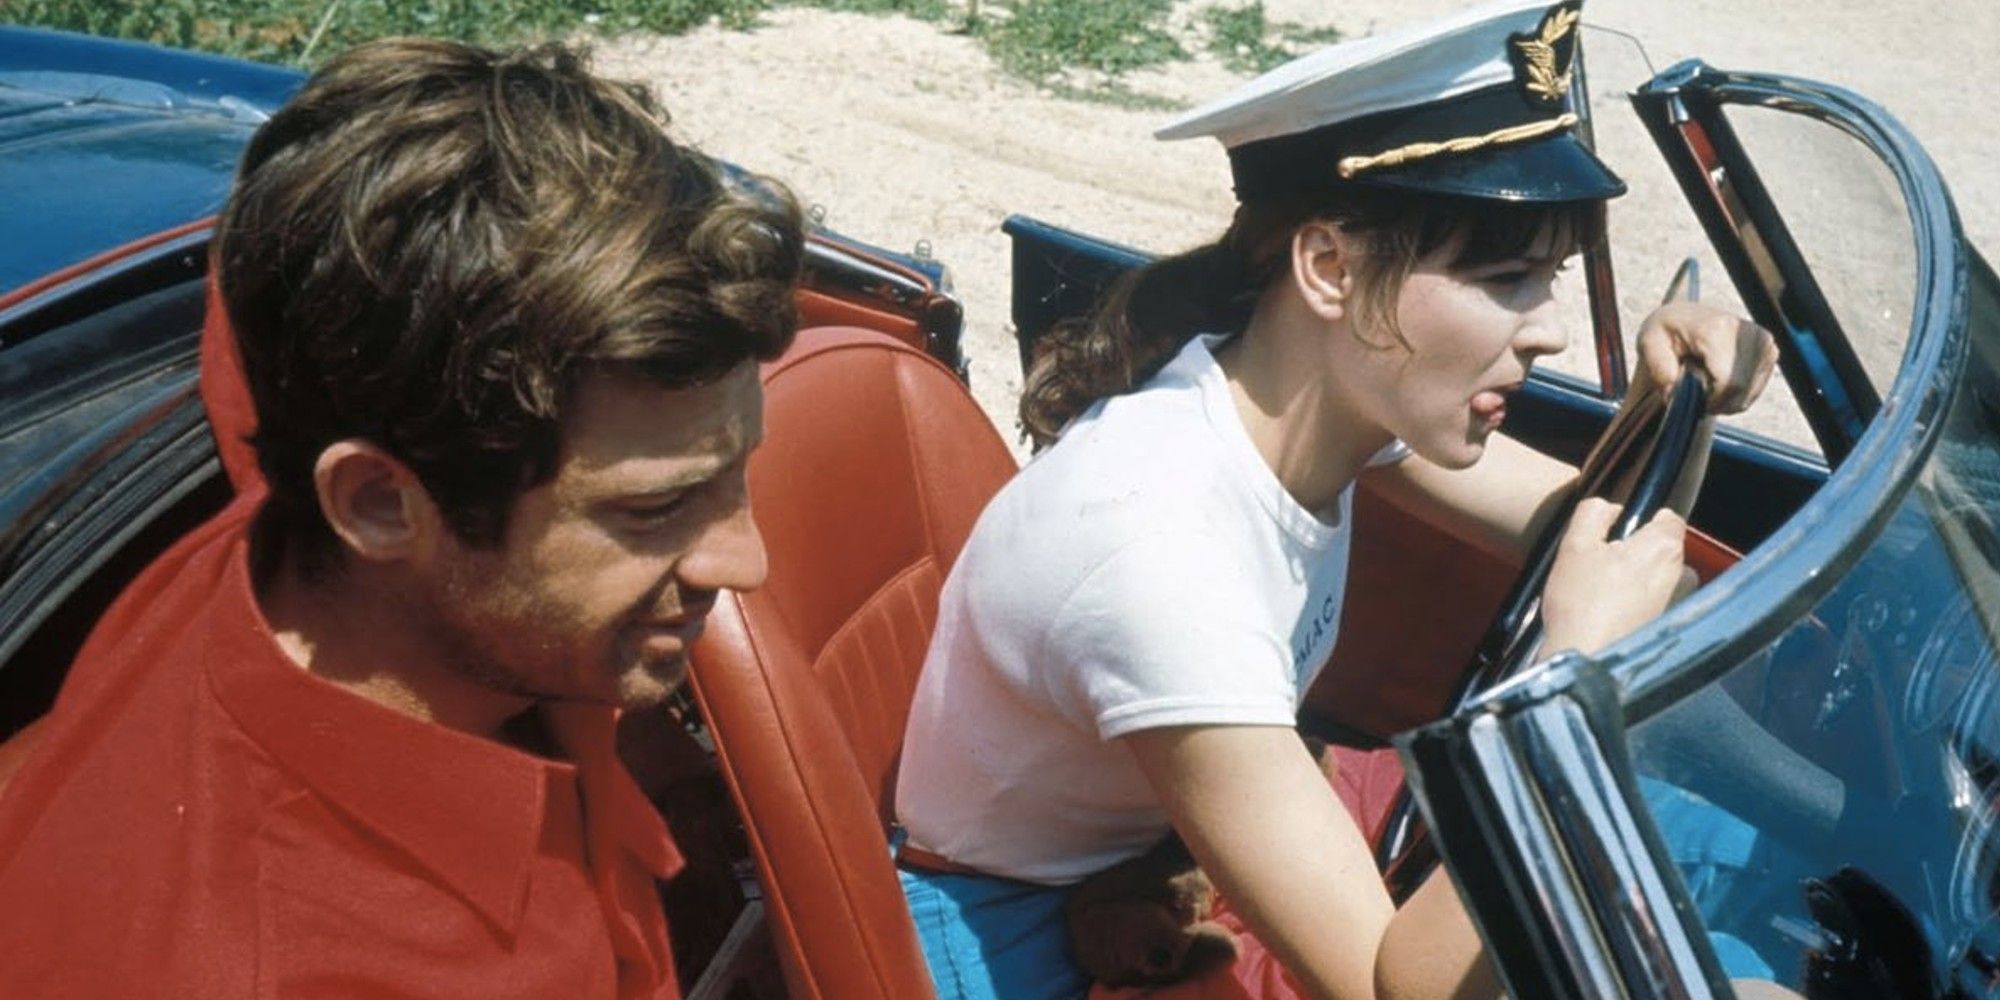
x,y
904,131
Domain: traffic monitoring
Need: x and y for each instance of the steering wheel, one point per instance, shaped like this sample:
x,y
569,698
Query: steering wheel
x,y
1639,461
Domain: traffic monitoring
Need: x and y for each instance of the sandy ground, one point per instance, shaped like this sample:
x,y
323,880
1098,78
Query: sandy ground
x,y
904,132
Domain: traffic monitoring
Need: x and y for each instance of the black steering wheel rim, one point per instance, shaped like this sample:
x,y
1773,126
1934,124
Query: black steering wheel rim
x,y
1643,454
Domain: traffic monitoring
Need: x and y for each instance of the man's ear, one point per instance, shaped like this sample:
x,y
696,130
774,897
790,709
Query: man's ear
x,y
1321,259
377,507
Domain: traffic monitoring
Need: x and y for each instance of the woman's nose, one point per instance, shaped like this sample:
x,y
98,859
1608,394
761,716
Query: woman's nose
x,y
1541,335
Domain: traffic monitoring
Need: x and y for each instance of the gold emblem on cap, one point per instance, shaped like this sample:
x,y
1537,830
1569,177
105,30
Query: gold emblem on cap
x,y
1546,82
1539,55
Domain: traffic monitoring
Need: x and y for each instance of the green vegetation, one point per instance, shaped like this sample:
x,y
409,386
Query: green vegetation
x,y
1040,39
1248,43
1049,42
301,31
928,10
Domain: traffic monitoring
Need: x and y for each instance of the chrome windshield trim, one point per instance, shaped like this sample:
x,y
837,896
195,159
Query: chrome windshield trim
x,y
1696,641
1542,799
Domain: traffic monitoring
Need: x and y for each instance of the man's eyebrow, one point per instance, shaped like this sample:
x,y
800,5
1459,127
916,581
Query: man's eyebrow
x,y
684,477
641,485
682,480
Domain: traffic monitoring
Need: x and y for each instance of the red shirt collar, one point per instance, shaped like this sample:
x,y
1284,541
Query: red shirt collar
x,y
468,809
225,392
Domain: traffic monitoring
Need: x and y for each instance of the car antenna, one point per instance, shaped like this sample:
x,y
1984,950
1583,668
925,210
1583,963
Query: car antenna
x,y
1630,37
325,21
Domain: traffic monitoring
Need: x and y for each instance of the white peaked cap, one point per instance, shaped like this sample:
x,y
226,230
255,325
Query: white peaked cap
x,y
1413,65
1476,106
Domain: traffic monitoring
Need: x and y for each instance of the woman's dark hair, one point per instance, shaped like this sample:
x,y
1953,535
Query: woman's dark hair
x,y
1150,313
433,243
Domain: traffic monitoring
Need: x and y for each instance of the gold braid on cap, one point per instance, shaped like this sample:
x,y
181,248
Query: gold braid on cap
x,y
1351,165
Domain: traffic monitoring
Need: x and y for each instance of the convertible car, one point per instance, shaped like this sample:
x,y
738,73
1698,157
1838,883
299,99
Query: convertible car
x,y
1794,774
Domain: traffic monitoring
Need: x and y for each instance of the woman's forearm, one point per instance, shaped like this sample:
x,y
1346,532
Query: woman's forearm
x,y
1432,950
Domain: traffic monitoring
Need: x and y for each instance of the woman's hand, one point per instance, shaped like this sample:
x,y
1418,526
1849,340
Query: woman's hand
x,y
1599,591
1738,355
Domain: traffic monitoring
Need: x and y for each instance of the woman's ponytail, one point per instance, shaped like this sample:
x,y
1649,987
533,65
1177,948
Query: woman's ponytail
x,y
1141,323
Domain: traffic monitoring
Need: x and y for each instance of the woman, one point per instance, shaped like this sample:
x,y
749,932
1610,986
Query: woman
x,y
1124,641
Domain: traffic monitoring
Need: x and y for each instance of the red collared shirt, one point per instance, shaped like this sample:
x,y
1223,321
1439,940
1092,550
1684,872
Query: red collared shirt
x,y
204,819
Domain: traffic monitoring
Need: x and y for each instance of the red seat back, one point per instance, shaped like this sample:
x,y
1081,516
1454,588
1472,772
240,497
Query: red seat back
x,y
874,466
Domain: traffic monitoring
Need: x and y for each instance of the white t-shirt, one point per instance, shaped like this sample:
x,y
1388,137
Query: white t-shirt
x,y
1147,570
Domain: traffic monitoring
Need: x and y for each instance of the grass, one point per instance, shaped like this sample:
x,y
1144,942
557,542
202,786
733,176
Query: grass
x,y
1046,42
1247,42
928,10
1042,39
304,31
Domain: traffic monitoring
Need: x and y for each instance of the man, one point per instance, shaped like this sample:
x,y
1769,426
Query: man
x,y
354,737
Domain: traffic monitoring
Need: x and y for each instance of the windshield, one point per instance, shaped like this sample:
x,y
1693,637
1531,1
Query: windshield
x,y
1794,774
1831,802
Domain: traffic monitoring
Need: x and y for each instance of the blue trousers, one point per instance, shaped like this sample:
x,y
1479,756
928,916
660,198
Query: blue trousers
x,y
993,938
1728,867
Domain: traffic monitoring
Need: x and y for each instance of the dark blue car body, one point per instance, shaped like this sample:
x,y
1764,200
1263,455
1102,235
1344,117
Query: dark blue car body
x,y
86,123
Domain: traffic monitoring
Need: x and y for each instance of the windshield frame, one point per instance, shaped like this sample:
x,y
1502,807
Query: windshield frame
x,y
1529,789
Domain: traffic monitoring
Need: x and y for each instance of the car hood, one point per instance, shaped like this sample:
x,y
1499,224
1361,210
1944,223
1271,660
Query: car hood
x,y
85,122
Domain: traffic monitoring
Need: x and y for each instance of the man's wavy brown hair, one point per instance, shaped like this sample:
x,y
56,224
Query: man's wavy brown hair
x,y
432,243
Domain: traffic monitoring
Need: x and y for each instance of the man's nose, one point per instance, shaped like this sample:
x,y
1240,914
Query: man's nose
x,y
728,555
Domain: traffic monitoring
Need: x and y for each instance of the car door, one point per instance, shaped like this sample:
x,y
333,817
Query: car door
x,y
105,453
1794,774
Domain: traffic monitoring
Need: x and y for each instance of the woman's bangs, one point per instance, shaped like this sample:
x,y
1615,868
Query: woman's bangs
x,y
1496,232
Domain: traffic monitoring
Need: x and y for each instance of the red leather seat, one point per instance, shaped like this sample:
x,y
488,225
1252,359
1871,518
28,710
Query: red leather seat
x,y
874,466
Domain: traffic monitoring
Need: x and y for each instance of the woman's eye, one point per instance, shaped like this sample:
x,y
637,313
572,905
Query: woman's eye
x,y
1518,276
